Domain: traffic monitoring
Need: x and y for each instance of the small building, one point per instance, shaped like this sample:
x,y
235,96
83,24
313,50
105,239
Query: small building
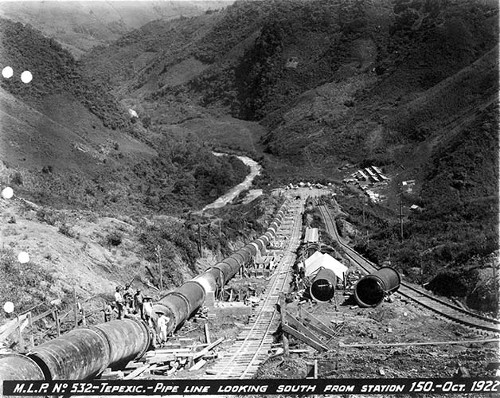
x,y
374,197
311,235
361,176
378,173
370,172
408,183
416,208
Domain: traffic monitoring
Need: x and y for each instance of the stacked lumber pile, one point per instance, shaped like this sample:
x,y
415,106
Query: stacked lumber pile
x,y
168,360
173,358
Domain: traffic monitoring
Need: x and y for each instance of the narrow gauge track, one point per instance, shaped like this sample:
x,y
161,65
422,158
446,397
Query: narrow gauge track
x,y
252,345
441,307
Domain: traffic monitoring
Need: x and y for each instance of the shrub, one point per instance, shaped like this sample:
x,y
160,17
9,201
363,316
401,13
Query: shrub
x,y
17,179
47,216
114,239
66,230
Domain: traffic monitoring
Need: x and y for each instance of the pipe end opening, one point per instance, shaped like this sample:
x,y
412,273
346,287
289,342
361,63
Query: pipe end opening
x,y
369,292
322,290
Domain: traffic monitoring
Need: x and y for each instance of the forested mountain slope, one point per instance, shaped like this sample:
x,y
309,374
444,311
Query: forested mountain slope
x,y
408,86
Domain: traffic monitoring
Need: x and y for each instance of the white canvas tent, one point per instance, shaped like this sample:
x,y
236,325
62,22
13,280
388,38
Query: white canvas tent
x,y
325,261
316,255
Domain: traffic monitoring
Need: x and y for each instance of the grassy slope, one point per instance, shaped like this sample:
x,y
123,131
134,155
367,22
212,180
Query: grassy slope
x,y
152,81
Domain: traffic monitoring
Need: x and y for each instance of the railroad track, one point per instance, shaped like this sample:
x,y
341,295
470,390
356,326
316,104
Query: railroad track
x,y
452,312
252,345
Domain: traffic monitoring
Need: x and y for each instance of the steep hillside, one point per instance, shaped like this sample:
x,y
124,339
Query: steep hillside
x,y
149,69
67,141
81,25
81,255
54,72
96,192
410,86
345,73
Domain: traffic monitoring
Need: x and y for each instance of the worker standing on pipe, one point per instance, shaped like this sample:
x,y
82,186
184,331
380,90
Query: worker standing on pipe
x,y
119,302
128,297
147,308
139,303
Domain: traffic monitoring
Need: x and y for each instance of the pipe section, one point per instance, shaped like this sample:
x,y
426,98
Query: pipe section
x,y
259,243
194,294
245,251
225,270
79,354
177,306
241,257
18,367
252,248
322,287
207,281
216,274
128,339
371,289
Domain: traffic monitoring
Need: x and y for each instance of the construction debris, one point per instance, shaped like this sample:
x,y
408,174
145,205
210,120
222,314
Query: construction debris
x,y
176,356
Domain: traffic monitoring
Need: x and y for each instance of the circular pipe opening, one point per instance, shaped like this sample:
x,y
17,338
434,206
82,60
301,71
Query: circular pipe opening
x,y
369,292
322,290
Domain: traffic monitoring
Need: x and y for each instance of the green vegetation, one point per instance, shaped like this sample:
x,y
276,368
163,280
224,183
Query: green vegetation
x,y
405,84
171,239
264,83
453,237
258,83
163,240
36,282
54,71
184,176
235,24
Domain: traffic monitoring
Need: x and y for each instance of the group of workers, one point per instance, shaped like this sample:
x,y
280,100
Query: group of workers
x,y
128,304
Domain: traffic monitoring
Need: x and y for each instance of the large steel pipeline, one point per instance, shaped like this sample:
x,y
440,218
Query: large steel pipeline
x,y
371,289
180,304
79,354
123,342
84,353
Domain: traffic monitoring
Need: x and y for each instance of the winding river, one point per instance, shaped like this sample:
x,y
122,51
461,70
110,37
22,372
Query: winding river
x,y
255,169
